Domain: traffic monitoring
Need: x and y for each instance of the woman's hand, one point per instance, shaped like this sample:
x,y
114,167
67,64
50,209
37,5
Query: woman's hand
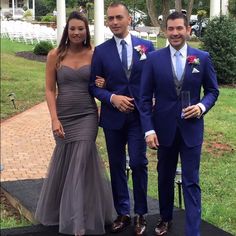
x,y
57,129
100,82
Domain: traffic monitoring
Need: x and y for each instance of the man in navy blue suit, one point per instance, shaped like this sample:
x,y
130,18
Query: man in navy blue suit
x,y
171,129
120,61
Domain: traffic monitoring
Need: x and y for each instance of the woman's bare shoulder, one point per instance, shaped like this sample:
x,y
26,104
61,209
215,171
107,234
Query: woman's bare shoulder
x,y
53,52
52,55
90,52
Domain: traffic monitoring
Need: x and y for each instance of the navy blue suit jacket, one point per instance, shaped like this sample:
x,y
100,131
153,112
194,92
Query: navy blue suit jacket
x,y
106,63
158,80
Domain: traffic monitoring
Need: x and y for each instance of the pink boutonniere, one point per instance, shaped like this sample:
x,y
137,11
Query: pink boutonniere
x,y
142,51
193,61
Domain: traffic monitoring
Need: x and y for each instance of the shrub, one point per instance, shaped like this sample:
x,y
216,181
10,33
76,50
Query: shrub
x,y
219,41
42,48
48,18
41,8
25,8
28,15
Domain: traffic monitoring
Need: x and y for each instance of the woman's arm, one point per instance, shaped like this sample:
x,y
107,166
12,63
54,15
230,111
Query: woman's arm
x,y
51,92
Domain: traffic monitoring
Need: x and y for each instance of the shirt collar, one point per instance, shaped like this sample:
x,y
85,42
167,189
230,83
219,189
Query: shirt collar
x,y
183,50
127,40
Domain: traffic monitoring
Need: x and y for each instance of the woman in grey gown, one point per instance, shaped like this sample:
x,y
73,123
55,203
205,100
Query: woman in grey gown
x,y
76,194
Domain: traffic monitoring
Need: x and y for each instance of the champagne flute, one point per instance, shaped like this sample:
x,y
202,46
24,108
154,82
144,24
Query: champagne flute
x,y
185,101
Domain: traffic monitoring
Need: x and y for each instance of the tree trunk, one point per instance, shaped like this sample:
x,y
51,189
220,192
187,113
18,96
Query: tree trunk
x,y
165,13
152,12
178,5
190,8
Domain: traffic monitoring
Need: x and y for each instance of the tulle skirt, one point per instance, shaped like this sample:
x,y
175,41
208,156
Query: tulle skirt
x,y
76,195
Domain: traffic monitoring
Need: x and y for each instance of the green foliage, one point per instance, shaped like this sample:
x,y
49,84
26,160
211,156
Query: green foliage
x,y
51,4
219,41
42,8
201,14
232,8
28,15
71,3
42,48
48,18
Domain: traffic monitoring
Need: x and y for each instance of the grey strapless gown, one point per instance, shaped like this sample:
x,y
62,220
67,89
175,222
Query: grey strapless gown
x,y
76,194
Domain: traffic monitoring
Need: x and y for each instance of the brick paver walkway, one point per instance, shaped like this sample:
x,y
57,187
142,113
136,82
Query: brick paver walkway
x,y
26,144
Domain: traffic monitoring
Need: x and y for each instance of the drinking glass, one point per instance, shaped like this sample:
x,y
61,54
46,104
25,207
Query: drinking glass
x,y
185,100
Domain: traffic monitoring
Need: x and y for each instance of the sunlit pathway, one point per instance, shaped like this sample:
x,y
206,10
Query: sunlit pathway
x,y
26,144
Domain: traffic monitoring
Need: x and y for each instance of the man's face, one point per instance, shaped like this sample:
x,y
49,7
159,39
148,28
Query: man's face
x,y
118,20
177,33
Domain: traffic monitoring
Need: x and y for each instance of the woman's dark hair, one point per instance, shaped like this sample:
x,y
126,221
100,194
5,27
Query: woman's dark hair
x,y
177,15
62,48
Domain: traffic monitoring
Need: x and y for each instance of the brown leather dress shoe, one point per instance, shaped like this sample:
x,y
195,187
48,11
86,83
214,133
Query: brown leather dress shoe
x,y
120,224
162,227
140,225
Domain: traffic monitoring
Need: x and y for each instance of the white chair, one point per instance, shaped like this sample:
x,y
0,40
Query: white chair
x,y
143,35
153,38
135,33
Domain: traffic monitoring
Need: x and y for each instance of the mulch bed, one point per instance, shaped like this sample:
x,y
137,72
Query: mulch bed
x,y
31,56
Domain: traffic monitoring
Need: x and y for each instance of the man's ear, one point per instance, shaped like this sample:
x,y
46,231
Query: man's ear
x,y
189,30
130,20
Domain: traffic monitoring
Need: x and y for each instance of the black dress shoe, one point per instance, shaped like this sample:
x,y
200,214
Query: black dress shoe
x,y
162,227
140,225
120,224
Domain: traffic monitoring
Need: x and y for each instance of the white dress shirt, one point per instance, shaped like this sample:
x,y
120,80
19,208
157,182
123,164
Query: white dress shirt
x,y
183,56
129,47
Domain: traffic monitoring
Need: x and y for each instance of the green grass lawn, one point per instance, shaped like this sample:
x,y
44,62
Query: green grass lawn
x,y
26,79
22,77
11,219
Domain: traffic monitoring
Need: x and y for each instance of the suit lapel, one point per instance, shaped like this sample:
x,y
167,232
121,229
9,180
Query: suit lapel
x,y
114,53
136,55
188,68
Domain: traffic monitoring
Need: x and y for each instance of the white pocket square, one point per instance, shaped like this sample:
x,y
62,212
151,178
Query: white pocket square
x,y
143,57
195,70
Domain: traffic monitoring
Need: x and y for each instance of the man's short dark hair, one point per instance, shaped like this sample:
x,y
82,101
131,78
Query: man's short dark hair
x,y
178,15
116,4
